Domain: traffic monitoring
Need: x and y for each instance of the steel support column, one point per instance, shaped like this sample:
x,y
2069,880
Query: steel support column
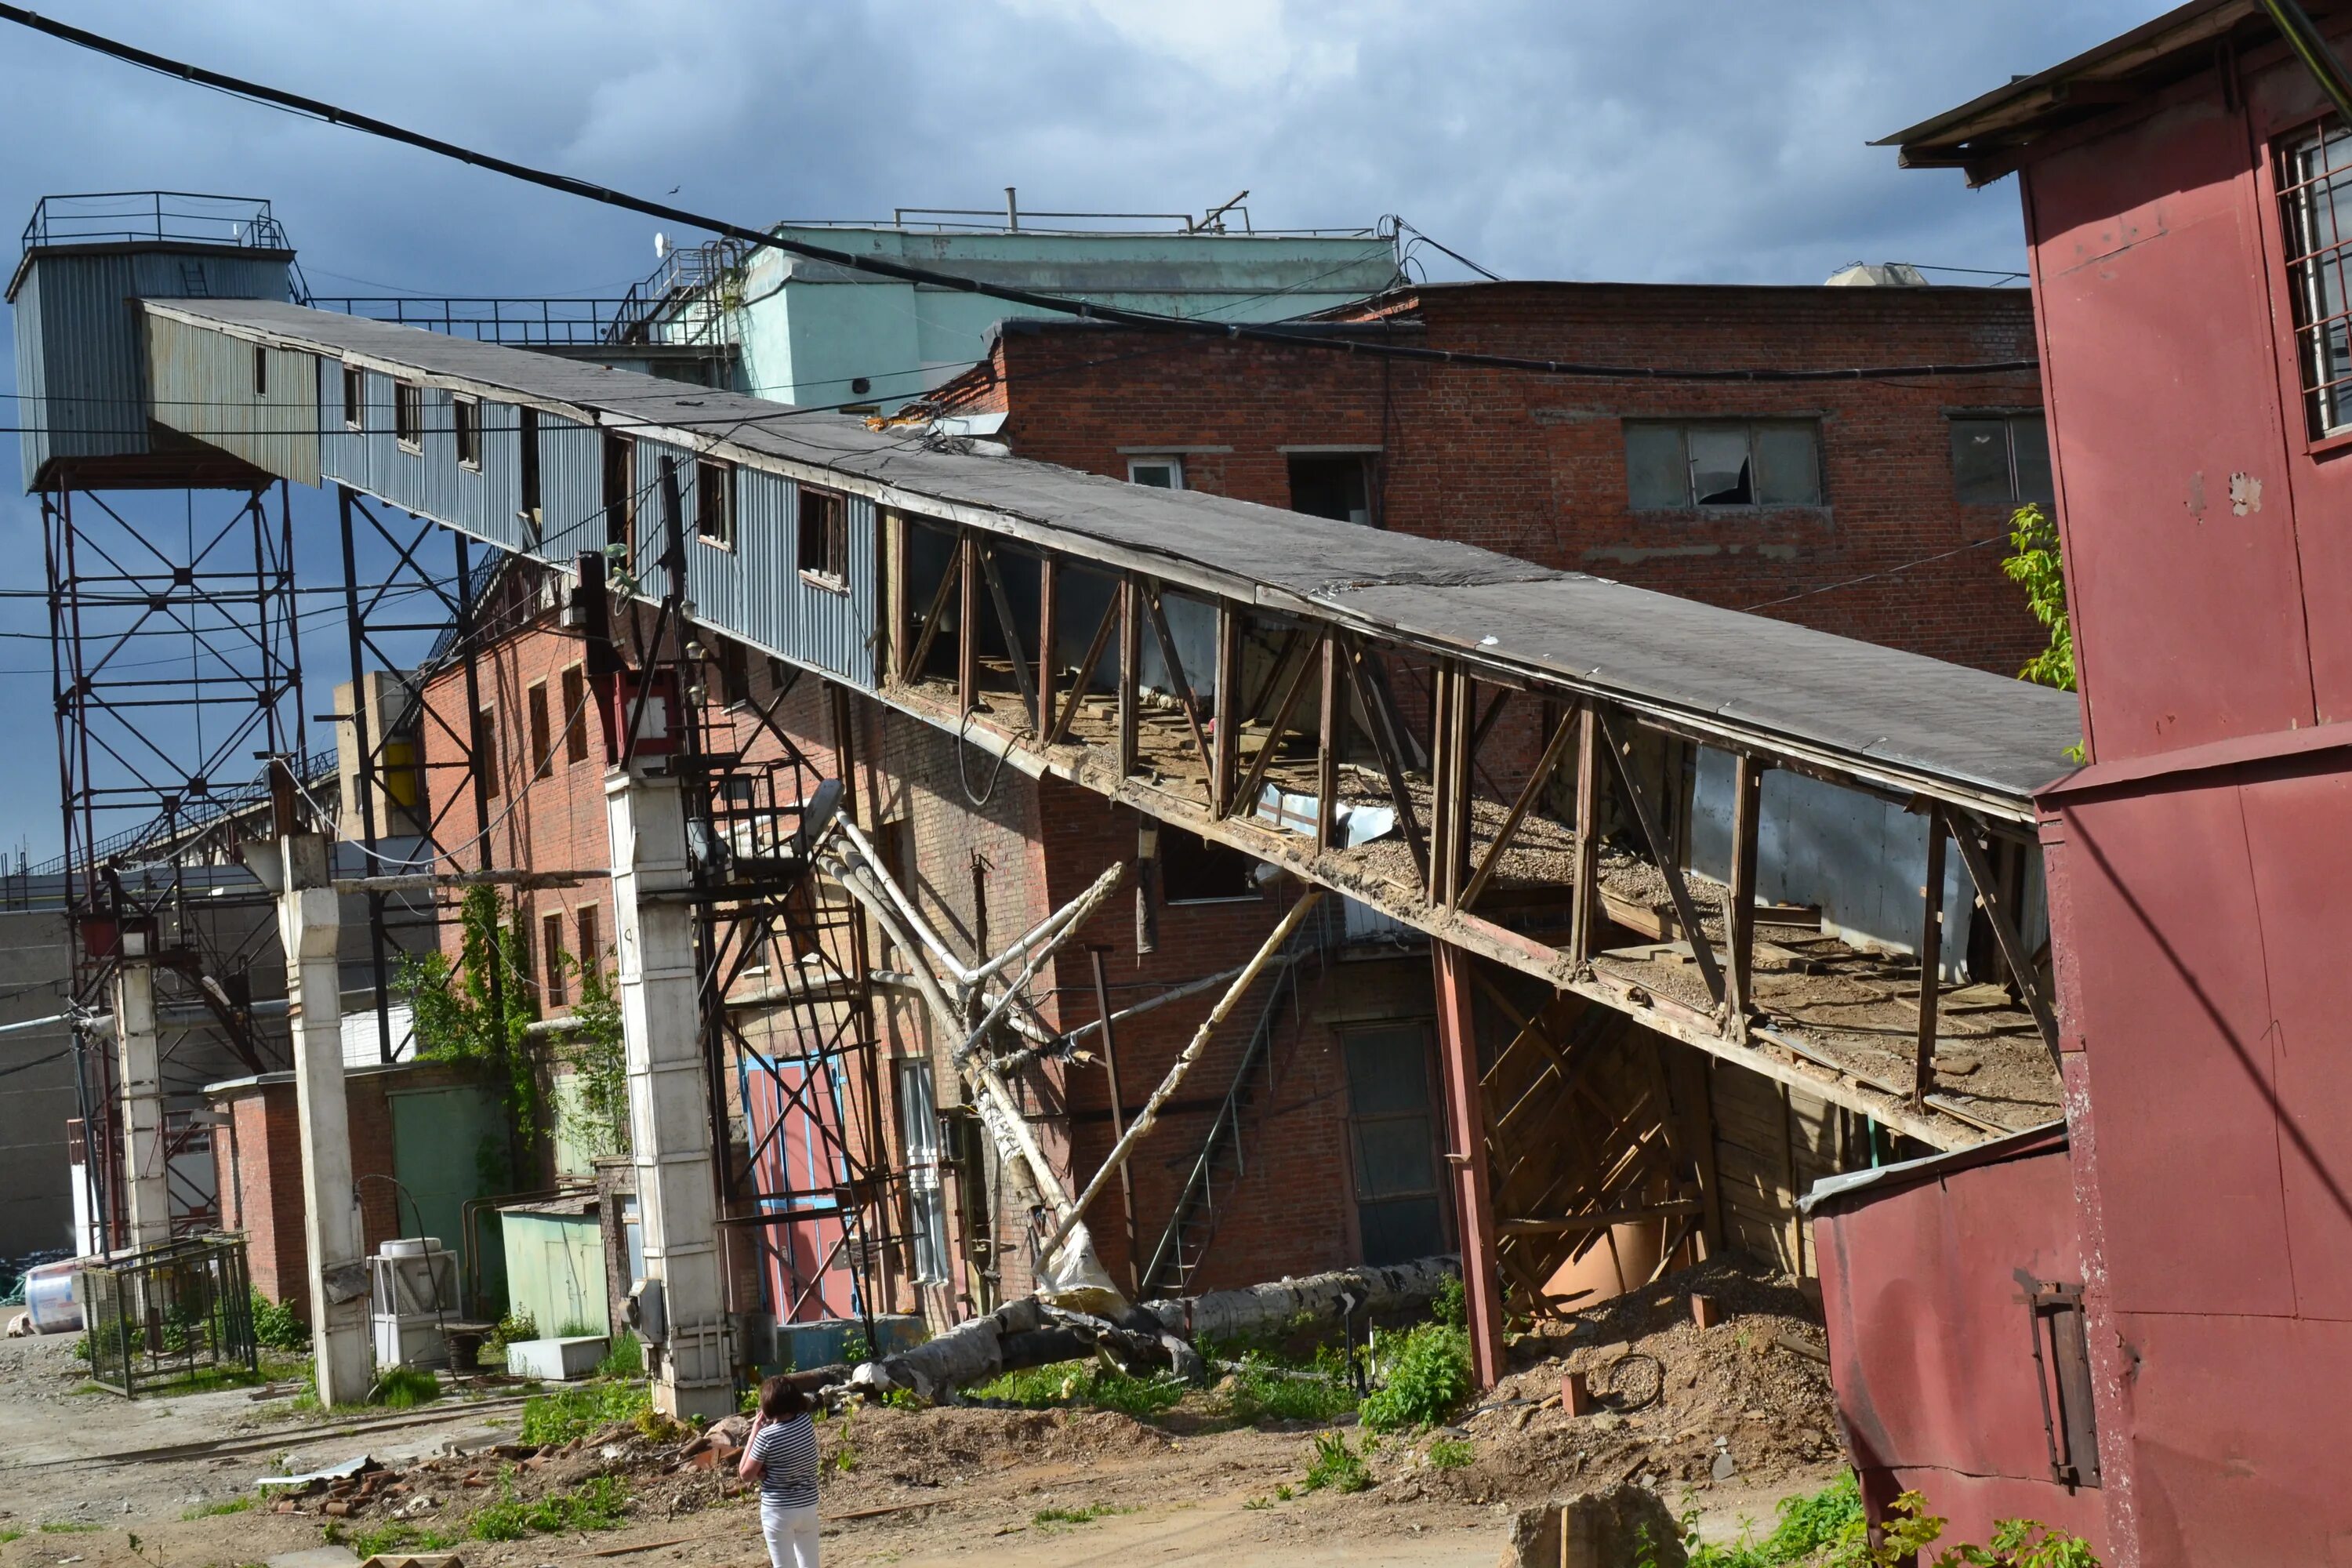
x,y
1473,1207
669,1101
139,1075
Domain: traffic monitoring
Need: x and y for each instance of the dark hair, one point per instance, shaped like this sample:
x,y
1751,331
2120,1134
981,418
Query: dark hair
x,y
780,1401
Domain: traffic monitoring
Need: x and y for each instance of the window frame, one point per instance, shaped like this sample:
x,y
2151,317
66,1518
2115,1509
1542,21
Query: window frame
x,y
832,571
714,478
355,398
573,684
1172,461
586,934
260,370
1751,425
542,731
486,750
555,990
2008,419
408,416
617,464
1170,834
465,429
2325,402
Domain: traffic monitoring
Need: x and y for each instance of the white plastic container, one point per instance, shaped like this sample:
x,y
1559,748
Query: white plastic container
x,y
556,1361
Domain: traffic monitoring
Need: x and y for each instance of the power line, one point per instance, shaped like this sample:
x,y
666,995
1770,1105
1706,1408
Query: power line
x,y
334,114
1874,576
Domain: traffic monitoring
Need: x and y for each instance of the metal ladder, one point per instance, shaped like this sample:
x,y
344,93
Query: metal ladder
x,y
1223,1160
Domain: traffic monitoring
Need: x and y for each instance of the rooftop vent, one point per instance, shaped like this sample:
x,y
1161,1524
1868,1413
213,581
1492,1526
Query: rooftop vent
x,y
1877,274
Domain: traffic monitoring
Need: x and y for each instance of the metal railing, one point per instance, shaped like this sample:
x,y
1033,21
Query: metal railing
x,y
169,1314
178,218
490,318
318,765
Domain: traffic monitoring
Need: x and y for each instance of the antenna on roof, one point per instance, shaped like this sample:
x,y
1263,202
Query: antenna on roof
x,y
1209,219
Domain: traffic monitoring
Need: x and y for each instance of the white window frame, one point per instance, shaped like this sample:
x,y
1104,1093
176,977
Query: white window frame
x,y
1172,461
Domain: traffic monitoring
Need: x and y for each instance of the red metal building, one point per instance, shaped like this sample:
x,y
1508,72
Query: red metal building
x,y
2187,189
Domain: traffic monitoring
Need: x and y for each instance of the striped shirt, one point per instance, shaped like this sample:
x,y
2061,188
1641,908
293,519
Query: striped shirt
x,y
786,1452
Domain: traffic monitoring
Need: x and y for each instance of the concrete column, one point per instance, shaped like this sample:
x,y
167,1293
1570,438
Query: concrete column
x,y
1473,1207
146,1188
311,926
693,1369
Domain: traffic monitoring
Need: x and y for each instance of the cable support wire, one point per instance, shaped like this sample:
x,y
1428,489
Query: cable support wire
x,y
334,114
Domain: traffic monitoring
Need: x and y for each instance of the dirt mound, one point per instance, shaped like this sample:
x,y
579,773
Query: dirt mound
x,y
921,1447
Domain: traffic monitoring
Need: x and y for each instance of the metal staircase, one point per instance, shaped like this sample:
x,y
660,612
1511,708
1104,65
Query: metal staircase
x,y
1224,1159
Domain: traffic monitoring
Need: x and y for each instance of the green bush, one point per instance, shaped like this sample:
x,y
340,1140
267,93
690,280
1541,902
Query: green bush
x,y
1428,1381
1259,1391
1451,1305
569,1413
1337,1465
627,1358
1831,1519
597,1505
404,1388
1829,1530
1450,1453
1087,1383
278,1326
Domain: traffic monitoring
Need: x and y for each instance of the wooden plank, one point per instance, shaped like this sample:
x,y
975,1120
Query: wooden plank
x,y
1226,710
1294,686
1931,958
1011,630
1995,904
1584,884
1385,743
1095,647
1553,750
1130,673
1747,810
1578,1223
1332,724
1185,697
1662,854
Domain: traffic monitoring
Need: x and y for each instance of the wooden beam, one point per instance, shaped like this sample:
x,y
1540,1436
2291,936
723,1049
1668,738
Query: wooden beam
x,y
1130,672
1012,630
1739,919
1294,686
1227,710
1995,905
1330,735
1528,795
1385,743
949,580
1183,694
1584,885
1931,956
1453,744
1685,911
967,627
1597,1221
1047,605
1095,646
1487,720
1474,1200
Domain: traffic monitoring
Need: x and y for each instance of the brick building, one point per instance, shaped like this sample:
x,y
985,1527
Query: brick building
x,y
1859,507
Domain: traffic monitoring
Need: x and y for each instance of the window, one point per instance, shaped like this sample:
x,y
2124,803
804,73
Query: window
x,y
824,537
1722,463
714,502
1160,473
261,371
1194,871
1336,487
354,397
2314,183
526,464
2000,460
575,714
620,493
408,415
550,941
1394,1139
592,945
466,420
486,751
542,737
734,672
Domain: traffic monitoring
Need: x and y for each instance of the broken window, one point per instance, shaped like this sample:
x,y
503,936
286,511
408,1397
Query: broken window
x,y
408,415
1192,870
824,537
2314,186
465,422
734,671
714,502
527,463
1337,486
1158,473
1398,1208
354,397
1671,467
2000,460
621,494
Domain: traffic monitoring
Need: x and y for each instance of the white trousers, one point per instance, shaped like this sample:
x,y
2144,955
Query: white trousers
x,y
790,1532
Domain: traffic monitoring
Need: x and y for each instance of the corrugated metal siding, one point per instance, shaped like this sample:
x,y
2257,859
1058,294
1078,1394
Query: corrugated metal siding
x,y
81,351
200,382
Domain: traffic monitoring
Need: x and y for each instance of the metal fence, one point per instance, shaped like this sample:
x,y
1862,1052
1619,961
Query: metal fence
x,y
172,1314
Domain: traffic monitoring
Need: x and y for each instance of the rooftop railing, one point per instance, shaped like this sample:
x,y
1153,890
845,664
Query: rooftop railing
x,y
178,217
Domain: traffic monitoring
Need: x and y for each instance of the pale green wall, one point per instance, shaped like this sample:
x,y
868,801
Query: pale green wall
x,y
555,1270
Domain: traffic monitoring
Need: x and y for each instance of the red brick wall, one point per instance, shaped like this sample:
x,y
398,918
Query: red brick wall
x,y
1533,466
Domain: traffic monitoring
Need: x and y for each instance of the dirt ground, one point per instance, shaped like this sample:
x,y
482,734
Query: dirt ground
x,y
1725,1420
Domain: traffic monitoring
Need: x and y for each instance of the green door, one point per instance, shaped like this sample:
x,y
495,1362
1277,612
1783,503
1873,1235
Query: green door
x,y
438,1136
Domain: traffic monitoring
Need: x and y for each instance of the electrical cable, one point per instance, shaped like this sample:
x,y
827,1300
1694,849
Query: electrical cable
x,y
1874,576
334,114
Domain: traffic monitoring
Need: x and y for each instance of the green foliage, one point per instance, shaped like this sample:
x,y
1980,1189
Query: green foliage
x,y
904,1399
570,1413
456,1021
595,1052
1428,1380
1257,1389
598,1504
1450,1453
8,1535
1092,1384
1829,1530
627,1358
395,1535
1451,1305
278,1326
2034,566
213,1509
81,1348
1337,1465
512,1328
1085,1515
404,1388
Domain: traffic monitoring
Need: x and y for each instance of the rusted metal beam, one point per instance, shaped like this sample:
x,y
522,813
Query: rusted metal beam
x,y
1294,686
1528,795
1385,745
1931,956
1662,854
1997,913
1466,1125
1739,917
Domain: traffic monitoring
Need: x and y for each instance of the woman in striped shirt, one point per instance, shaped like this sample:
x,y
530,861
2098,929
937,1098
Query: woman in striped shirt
x,y
781,1452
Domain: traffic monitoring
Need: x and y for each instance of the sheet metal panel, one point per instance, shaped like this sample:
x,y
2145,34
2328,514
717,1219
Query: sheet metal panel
x,y
202,381
1930,1341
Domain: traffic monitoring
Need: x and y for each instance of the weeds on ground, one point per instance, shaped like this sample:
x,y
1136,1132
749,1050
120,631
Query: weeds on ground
x,y
404,1388
1085,1515
394,1535
8,1535
1428,1380
278,1326
598,1504
569,1413
69,1527
512,1328
1450,1453
215,1510
904,1399
1091,1384
1337,1465
844,1457
1260,1389
625,1359
1829,1530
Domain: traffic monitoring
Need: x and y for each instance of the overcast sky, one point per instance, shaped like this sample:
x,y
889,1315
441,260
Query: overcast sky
x,y
1673,140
